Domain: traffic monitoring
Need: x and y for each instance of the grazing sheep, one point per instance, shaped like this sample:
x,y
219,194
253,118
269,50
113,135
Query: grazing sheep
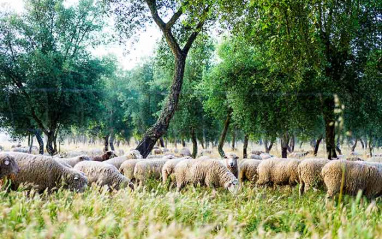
x,y
72,161
185,152
210,173
205,152
176,151
118,161
278,171
103,174
169,167
257,152
165,150
24,149
309,172
127,168
357,175
248,170
136,153
107,155
231,163
375,159
181,171
255,156
169,156
298,154
41,173
157,151
146,169
354,158
265,156
8,165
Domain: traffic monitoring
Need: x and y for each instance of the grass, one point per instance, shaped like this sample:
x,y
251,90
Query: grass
x,y
155,212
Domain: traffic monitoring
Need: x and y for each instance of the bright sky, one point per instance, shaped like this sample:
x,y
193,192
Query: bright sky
x,y
142,49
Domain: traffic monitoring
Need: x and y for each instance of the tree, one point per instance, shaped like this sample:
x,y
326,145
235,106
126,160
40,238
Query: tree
x,y
45,64
133,15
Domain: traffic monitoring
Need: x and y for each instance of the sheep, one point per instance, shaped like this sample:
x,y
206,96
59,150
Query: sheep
x,y
278,172
298,154
107,155
375,159
357,176
265,156
44,173
8,166
210,173
157,151
309,172
231,163
185,152
146,169
136,153
168,168
205,152
118,161
255,156
248,170
127,168
103,174
354,158
257,152
181,170
72,161
169,156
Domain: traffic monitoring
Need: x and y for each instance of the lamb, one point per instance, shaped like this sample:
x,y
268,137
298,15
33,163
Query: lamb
x,y
248,170
185,152
278,172
44,173
231,163
8,166
210,173
146,169
103,174
309,172
107,155
168,168
72,161
357,176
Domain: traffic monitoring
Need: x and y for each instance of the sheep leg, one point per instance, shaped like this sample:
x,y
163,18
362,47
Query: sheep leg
x,y
301,188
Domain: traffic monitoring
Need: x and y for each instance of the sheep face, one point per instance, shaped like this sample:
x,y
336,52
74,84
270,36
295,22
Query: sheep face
x,y
232,186
8,166
76,181
231,161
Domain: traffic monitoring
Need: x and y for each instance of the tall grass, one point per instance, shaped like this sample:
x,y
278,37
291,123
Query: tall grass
x,y
155,212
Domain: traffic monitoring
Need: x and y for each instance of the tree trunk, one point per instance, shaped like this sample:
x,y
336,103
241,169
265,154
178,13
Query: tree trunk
x,y
362,143
245,146
224,134
160,127
106,143
111,143
30,143
50,142
161,142
284,141
40,141
338,149
371,146
268,146
317,145
202,143
354,145
291,144
194,144
329,118
233,139
183,143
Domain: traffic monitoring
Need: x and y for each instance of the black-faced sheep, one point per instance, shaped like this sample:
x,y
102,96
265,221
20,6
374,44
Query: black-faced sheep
x,y
41,173
8,165
103,174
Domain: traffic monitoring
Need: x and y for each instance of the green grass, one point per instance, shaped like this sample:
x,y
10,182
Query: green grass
x,y
155,212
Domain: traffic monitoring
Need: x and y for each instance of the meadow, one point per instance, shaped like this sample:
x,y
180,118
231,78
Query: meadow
x,y
155,212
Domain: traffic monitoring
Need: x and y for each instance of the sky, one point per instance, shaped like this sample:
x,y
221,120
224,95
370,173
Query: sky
x,y
143,48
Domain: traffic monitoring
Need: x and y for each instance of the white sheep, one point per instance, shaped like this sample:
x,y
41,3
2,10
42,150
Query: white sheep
x,y
211,173
72,161
357,176
147,169
103,174
168,169
248,170
118,161
185,152
41,173
265,156
309,171
278,171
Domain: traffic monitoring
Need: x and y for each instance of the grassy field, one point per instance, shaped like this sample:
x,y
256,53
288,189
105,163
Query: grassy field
x,y
155,212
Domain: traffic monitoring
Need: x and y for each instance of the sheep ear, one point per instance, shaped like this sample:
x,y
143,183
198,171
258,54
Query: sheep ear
x,y
6,162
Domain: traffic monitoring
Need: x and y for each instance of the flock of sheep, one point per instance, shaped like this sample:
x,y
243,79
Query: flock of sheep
x,y
131,170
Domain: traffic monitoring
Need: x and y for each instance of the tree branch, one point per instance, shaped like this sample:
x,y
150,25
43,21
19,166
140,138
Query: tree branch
x,y
174,18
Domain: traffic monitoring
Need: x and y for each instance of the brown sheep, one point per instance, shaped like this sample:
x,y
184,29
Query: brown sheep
x,y
107,155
